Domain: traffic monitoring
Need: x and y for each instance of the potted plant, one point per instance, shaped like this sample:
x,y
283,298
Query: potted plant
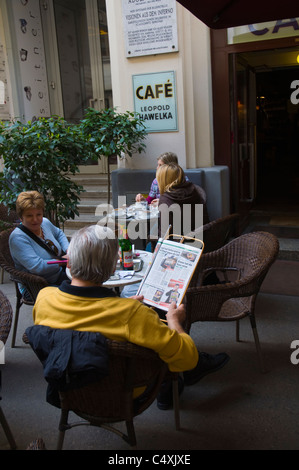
x,y
111,135
41,156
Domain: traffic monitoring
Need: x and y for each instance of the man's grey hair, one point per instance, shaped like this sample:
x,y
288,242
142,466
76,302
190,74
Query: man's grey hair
x,y
93,254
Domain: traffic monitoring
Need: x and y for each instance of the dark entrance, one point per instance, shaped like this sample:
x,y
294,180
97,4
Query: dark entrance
x,y
265,69
265,109
277,139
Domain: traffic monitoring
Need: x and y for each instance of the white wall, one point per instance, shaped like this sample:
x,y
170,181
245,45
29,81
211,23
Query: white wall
x,y
11,113
193,142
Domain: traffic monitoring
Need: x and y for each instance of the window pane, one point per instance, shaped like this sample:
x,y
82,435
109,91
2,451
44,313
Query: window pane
x,y
74,57
2,93
104,35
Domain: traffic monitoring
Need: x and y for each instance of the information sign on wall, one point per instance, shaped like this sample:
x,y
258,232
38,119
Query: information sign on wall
x,y
150,27
155,100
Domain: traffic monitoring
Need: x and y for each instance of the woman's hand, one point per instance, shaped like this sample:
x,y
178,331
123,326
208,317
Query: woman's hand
x,y
155,202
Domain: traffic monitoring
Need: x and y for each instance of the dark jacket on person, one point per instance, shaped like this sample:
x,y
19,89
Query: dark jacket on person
x,y
70,359
184,194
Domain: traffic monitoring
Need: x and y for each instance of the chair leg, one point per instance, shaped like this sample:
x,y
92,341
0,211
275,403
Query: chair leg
x,y
131,433
60,440
176,401
15,325
237,330
62,427
7,430
2,275
257,342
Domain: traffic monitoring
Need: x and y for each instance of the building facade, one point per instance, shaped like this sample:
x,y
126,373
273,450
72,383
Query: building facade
x,y
205,95
69,55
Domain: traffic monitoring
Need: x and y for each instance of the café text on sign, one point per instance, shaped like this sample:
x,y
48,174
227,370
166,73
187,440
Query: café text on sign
x,y
155,100
263,31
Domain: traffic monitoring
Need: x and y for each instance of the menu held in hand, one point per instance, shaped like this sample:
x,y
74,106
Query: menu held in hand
x,y
169,273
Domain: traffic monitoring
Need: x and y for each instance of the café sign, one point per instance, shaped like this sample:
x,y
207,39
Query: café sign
x,y
155,100
263,31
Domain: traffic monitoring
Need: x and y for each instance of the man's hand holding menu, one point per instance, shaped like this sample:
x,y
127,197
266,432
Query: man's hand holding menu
x,y
175,317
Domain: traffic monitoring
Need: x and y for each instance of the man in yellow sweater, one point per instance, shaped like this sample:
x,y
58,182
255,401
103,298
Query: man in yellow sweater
x,y
85,305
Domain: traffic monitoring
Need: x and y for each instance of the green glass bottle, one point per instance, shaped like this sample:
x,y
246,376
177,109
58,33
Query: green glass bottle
x,y
126,251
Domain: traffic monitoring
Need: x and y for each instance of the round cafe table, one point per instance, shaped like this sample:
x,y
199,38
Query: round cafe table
x,y
123,278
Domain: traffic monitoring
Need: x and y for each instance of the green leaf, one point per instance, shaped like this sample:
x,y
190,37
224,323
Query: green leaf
x,y
41,155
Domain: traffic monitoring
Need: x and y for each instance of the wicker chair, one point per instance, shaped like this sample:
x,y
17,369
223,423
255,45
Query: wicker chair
x,y
6,215
217,233
243,263
4,226
32,282
7,220
111,399
5,325
203,195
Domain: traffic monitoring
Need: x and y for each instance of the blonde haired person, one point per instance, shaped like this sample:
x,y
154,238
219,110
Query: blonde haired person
x,y
37,241
170,177
154,194
176,191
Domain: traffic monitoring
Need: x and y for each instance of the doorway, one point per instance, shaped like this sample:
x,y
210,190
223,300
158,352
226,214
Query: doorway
x,y
276,120
243,131
78,61
277,137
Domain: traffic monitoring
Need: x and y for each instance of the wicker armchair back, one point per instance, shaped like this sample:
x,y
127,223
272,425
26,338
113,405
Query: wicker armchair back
x,y
240,267
111,399
32,282
5,325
